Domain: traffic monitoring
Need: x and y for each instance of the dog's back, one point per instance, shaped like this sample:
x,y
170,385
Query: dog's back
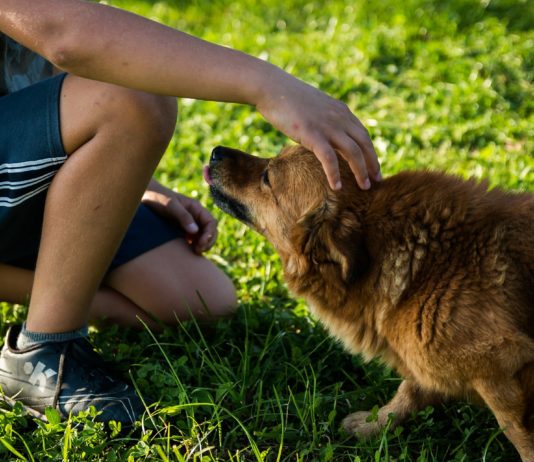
x,y
457,237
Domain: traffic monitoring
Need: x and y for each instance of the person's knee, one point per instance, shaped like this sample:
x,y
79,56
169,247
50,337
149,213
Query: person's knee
x,y
151,116
213,299
158,116
223,298
89,107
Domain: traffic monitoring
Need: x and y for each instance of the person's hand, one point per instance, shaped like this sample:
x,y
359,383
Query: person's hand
x,y
321,124
198,223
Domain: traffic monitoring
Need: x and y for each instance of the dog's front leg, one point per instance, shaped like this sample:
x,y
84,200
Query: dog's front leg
x,y
410,397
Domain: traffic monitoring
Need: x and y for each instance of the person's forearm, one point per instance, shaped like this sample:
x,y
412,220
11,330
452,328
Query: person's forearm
x,y
104,43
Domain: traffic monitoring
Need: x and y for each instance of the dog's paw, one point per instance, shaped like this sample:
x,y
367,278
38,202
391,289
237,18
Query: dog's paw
x,y
357,424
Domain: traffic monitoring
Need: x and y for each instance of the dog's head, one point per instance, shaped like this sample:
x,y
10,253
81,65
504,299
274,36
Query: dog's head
x,y
288,200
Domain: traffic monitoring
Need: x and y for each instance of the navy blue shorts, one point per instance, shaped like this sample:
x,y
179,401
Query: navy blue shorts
x,y
31,152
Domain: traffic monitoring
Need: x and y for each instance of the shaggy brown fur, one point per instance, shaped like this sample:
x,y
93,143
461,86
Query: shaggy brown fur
x,y
431,273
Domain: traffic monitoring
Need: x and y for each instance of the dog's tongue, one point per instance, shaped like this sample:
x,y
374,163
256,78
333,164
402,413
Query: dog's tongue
x,y
206,173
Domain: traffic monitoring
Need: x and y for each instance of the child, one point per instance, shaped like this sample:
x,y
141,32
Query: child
x,y
77,152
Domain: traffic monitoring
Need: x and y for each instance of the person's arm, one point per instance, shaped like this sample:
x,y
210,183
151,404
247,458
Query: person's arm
x,y
104,43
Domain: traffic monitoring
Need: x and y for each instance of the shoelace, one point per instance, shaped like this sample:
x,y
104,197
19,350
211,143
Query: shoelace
x,y
59,382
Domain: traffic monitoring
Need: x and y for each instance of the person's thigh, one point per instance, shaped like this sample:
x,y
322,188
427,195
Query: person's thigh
x,y
171,282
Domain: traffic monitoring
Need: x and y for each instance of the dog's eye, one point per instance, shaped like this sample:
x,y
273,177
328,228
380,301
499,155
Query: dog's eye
x,y
265,178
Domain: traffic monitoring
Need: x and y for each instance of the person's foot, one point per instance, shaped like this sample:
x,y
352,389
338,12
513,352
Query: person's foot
x,y
67,376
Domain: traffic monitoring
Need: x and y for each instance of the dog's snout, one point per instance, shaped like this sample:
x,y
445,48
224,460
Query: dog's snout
x,y
218,153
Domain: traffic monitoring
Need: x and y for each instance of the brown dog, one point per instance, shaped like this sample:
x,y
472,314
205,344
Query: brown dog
x,y
432,273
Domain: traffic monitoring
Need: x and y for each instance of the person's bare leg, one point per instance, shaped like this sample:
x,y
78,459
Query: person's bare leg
x,y
172,283
170,298
114,138
111,307
108,306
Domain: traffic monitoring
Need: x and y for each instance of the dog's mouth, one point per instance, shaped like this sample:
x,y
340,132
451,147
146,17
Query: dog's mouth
x,y
207,176
226,203
230,205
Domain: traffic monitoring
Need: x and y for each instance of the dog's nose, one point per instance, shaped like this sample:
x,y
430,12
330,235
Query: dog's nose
x,y
217,154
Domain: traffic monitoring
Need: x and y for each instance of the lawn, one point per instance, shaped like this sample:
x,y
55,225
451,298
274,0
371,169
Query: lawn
x,y
440,85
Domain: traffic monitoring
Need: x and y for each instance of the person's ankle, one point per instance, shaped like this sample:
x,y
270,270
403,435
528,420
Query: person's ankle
x,y
27,338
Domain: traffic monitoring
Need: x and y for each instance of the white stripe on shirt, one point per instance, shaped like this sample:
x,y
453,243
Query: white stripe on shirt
x,y
13,185
12,202
29,165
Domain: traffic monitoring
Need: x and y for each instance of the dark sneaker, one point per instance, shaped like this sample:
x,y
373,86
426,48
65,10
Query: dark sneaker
x,y
67,376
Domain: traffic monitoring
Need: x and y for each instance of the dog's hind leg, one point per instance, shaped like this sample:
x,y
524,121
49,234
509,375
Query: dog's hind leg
x,y
510,404
410,397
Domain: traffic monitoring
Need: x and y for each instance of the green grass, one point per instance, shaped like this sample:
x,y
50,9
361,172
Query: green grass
x,y
440,85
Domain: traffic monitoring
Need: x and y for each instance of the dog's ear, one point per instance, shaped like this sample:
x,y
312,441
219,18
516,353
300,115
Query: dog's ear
x,y
332,239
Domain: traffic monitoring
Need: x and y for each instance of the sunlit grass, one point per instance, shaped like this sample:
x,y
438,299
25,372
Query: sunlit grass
x,y
440,85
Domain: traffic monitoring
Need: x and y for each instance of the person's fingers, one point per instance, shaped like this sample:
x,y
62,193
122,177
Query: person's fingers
x,y
361,136
208,237
352,153
179,212
170,208
327,156
198,223
205,220
201,215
